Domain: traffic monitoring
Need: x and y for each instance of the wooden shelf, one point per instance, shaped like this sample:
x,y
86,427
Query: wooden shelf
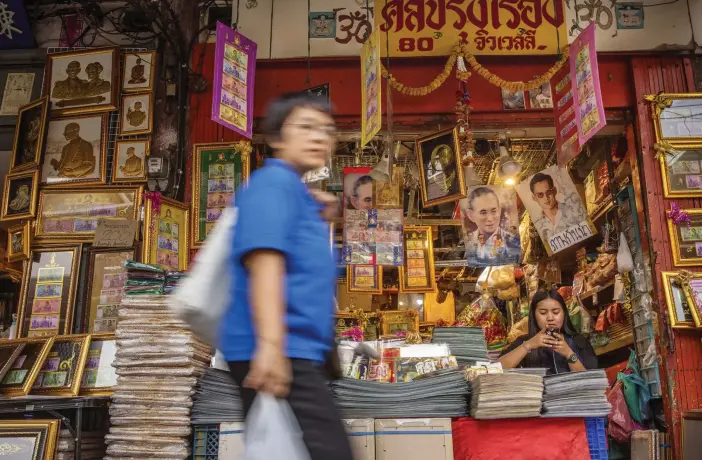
x,y
615,345
601,211
589,294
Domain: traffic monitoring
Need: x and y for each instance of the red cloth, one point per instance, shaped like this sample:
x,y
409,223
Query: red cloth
x,y
520,439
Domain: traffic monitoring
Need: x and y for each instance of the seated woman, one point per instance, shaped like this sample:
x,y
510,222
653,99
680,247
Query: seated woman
x,y
552,342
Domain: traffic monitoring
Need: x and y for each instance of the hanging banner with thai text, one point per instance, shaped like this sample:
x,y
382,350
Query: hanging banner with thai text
x,y
371,115
432,28
233,87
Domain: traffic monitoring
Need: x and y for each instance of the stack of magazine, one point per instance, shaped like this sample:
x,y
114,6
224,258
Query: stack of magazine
x,y
576,394
506,395
467,344
217,399
440,394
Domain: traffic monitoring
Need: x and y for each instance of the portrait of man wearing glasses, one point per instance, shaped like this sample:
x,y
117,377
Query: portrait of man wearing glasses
x,y
556,216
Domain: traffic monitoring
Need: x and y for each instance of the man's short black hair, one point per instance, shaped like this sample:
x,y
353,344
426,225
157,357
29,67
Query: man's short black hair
x,y
363,180
540,177
280,109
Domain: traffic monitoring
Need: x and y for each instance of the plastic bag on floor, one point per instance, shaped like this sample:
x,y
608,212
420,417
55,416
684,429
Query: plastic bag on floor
x,y
272,431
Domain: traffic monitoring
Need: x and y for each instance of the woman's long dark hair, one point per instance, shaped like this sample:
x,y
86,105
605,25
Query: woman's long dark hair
x,y
539,358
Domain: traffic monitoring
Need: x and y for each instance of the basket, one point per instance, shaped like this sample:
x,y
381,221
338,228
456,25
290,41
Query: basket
x,y
596,438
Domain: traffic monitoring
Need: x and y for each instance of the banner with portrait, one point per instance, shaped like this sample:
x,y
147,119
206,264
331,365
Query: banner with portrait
x,y
371,114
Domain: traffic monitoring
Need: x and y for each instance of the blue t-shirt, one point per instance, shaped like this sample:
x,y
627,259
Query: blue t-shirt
x,y
276,211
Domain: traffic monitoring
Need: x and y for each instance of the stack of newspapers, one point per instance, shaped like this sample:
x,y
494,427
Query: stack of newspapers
x,y
506,395
467,344
576,394
217,399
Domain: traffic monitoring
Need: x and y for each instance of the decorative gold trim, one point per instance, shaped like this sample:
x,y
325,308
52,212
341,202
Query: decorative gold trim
x,y
104,122
350,287
70,300
664,149
430,251
5,367
72,390
388,318
150,114
34,175
115,161
114,80
459,168
244,148
48,428
683,278
100,391
675,322
89,273
662,101
678,261
152,75
26,229
26,387
44,102
184,257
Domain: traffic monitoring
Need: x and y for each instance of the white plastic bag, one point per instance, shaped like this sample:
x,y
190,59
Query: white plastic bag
x,y
204,296
625,263
272,431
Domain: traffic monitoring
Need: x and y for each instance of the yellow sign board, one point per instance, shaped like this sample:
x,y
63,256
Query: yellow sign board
x,y
497,27
370,89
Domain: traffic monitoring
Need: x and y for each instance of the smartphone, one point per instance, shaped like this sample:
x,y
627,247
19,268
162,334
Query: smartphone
x,y
551,331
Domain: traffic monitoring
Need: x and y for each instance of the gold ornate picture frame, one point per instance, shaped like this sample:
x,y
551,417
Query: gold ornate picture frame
x,y
28,144
686,241
71,215
23,372
9,352
398,321
417,275
166,235
677,117
681,170
366,279
18,241
63,367
676,301
129,163
99,377
19,197
691,283
106,276
440,168
138,71
136,115
30,439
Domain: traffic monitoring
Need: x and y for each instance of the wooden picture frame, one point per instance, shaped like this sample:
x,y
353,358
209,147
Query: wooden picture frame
x,y
62,372
47,295
134,78
99,377
30,130
24,370
84,92
137,121
681,170
19,239
105,276
86,131
686,242
417,244
366,279
394,321
71,215
164,230
37,437
9,352
436,152
676,301
215,154
128,168
677,117
19,198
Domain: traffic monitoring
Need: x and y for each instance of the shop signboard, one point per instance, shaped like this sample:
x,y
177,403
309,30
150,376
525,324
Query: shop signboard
x,y
370,89
233,87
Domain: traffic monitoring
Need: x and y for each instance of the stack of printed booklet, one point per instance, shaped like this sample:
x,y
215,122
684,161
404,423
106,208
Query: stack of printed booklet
x,y
217,399
506,395
467,344
576,394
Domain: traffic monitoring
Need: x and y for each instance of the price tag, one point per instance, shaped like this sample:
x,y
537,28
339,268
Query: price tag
x,y
117,233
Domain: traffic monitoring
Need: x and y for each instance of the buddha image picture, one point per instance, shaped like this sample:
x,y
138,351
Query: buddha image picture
x,y
137,71
27,142
130,160
73,149
19,197
136,114
80,80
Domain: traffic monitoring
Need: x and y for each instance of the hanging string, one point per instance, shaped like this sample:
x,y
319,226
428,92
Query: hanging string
x,y
309,54
235,25
270,36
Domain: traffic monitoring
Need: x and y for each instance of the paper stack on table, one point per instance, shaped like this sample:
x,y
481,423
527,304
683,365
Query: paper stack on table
x,y
217,399
506,395
576,394
467,344
92,446
443,394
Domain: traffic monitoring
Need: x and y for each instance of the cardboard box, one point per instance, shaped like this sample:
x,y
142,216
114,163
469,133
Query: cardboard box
x,y
231,441
362,437
413,439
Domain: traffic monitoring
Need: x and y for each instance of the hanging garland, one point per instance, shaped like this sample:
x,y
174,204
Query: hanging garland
x,y
458,55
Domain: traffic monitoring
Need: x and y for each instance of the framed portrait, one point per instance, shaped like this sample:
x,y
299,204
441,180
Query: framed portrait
x,y
390,194
34,439
106,276
358,189
62,371
394,321
75,151
490,222
19,199
138,71
129,163
47,296
99,377
556,209
364,278
513,101
677,117
693,295
137,114
21,80
70,215
9,352
218,169
29,136
541,97
679,309
417,274
23,372
16,92
681,169
440,169
83,81
166,239
18,241
686,241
